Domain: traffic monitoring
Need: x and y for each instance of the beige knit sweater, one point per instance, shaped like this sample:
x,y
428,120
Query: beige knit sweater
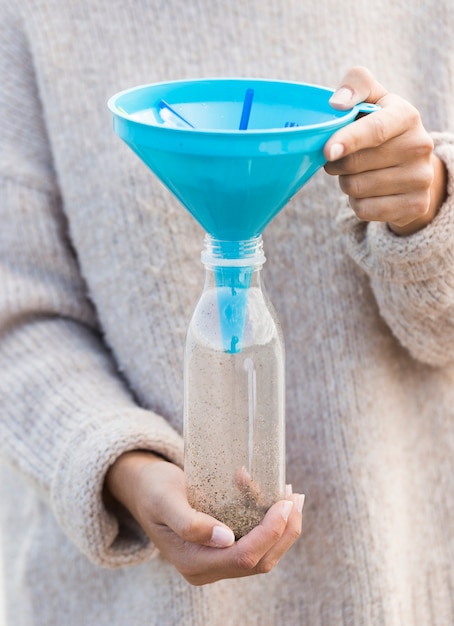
x,y
100,271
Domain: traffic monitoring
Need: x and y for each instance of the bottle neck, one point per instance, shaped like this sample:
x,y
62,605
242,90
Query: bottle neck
x,y
219,253
232,268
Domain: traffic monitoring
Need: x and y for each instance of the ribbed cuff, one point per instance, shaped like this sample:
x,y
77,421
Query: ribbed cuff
x,y
417,257
79,479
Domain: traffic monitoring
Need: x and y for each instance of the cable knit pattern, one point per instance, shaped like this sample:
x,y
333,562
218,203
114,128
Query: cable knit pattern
x,y
99,274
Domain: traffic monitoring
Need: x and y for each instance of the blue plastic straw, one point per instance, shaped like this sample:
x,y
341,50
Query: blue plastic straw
x,y
162,104
246,112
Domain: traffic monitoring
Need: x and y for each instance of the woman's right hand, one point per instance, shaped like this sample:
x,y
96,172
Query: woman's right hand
x,y
201,548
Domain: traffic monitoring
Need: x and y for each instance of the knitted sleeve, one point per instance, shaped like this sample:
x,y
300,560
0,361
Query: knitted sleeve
x,y
66,414
413,277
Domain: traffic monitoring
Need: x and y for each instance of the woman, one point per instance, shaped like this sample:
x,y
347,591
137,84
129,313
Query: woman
x,y
100,273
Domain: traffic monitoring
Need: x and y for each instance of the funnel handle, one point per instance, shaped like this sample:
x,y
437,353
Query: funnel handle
x,y
364,108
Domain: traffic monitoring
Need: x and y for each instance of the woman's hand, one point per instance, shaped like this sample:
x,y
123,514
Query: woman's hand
x,y
202,549
385,160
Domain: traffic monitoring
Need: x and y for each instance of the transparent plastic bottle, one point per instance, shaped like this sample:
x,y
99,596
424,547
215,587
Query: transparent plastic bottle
x,y
234,417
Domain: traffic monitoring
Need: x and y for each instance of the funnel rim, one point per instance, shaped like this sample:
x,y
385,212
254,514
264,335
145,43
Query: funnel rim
x,y
337,122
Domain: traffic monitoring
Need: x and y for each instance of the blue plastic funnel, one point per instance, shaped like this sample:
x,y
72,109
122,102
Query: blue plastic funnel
x,y
233,181
233,151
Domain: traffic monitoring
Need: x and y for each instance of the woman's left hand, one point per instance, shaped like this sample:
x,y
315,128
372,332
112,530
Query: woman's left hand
x,y
385,160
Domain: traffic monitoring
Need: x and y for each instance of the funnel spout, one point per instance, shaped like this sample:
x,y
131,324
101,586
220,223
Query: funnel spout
x,y
230,266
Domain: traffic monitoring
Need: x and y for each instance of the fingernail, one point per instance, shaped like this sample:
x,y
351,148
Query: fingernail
x,y
342,96
300,503
337,150
286,508
222,537
288,490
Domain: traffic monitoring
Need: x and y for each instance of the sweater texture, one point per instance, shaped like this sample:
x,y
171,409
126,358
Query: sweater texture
x,y
100,272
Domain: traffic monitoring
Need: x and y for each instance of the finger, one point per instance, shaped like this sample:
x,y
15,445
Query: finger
x,y
252,548
245,557
196,527
290,535
372,131
409,148
394,118
387,182
207,565
249,488
358,85
399,209
393,153
175,512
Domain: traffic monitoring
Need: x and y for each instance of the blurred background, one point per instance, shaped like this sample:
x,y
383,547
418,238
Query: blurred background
x,y
2,617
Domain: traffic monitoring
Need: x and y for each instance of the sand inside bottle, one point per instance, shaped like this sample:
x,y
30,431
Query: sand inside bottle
x,y
234,442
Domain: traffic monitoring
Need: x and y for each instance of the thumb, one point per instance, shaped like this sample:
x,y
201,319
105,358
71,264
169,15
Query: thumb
x,y
358,85
154,492
190,525
196,527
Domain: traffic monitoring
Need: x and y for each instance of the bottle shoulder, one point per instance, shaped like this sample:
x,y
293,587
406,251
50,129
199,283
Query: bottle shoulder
x,y
222,312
